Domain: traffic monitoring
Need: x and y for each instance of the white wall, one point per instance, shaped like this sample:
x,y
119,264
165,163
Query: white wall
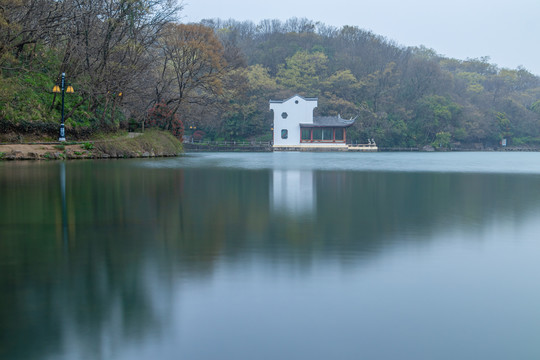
x,y
301,112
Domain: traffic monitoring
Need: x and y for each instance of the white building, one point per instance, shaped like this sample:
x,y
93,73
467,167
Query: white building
x,y
295,128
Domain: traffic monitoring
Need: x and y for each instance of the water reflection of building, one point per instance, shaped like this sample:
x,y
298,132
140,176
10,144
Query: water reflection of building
x,y
293,192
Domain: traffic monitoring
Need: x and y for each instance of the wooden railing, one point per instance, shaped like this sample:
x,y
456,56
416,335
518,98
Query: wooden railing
x,y
229,143
203,145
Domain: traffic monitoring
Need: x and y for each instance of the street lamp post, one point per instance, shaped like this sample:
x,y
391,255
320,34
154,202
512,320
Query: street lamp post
x,y
192,129
63,89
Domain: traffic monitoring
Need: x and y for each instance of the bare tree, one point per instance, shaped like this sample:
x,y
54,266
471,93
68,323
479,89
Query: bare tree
x,y
193,66
25,22
109,47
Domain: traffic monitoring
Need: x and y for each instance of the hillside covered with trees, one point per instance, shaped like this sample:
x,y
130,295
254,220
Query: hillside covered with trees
x,y
132,63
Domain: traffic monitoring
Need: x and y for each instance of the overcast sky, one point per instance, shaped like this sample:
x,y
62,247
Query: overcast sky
x,y
506,31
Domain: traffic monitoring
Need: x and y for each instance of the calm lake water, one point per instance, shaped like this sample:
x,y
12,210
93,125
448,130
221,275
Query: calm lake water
x,y
272,256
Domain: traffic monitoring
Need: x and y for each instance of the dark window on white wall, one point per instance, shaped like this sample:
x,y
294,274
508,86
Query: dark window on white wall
x,y
284,134
284,115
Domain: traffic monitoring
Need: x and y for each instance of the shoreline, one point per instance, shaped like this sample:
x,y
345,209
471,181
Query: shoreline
x,y
15,152
149,144
98,150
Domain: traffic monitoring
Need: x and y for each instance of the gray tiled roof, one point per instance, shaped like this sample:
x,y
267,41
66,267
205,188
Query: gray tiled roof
x,y
282,101
334,121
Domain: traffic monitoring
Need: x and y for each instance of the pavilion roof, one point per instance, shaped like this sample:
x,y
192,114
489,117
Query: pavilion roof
x,y
329,121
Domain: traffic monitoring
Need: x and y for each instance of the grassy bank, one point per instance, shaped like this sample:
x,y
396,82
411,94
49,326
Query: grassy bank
x,y
152,143
149,143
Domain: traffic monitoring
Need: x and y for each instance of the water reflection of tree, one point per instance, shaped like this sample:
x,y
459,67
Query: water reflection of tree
x,y
101,289
381,205
364,212
136,232
228,214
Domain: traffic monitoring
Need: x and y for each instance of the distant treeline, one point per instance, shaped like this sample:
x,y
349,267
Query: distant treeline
x,y
127,58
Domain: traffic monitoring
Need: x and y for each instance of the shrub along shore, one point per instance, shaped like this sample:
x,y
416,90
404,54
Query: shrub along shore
x,y
148,144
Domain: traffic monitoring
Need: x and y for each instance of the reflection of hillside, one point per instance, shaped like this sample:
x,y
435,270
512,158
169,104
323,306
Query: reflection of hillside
x,y
136,233
362,212
231,214
380,206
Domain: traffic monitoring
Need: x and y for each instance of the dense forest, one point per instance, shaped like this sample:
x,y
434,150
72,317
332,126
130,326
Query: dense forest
x,y
134,64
